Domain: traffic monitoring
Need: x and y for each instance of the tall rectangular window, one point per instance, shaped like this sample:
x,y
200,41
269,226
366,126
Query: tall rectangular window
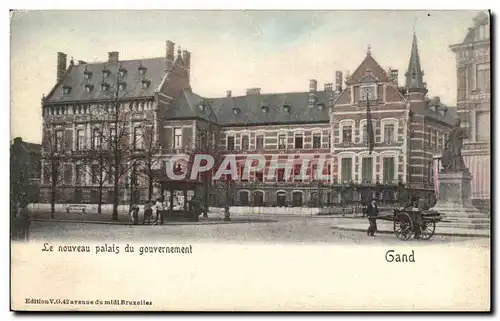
x,y
58,144
482,126
259,142
299,141
79,174
177,138
95,170
483,76
434,140
367,169
96,138
280,174
282,142
112,137
138,141
347,134
346,170
317,140
364,134
230,143
388,168
80,139
245,142
389,133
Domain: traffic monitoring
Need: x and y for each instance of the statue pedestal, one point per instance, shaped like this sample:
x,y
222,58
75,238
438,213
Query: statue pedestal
x,y
454,202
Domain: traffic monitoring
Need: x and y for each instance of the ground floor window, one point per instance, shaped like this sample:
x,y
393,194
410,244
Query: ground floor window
x,y
297,199
77,195
258,198
244,198
281,199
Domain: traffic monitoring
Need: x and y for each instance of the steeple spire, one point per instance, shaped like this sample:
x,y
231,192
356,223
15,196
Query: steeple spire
x,y
414,74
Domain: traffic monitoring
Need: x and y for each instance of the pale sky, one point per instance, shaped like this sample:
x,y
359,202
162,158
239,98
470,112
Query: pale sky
x,y
278,51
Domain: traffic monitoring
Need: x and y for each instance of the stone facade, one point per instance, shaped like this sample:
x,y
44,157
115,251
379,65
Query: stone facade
x,y
474,103
155,94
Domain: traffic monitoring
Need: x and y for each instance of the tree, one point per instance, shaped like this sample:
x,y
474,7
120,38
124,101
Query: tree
x,y
96,158
19,182
55,157
207,143
147,155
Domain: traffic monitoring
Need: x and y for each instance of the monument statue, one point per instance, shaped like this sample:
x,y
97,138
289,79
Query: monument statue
x,y
452,159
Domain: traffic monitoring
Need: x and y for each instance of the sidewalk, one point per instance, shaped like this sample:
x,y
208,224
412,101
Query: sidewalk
x,y
123,219
388,228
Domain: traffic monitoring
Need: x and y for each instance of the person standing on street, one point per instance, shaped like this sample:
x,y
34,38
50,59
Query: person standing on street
x,y
148,212
159,211
372,212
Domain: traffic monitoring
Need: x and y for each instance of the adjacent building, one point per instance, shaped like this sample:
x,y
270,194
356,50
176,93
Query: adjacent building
x,y
474,104
155,96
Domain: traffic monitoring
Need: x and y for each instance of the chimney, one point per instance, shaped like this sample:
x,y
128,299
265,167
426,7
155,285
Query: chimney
x,y
393,76
186,57
169,56
338,81
229,93
313,88
113,57
253,91
329,90
61,65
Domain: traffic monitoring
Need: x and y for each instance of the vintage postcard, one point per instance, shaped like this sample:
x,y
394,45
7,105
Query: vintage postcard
x,y
250,160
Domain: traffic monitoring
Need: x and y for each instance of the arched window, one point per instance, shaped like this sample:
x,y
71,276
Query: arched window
x,y
258,198
281,198
297,198
243,199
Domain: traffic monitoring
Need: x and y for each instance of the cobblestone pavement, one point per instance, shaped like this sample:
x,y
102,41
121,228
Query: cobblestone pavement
x,y
276,230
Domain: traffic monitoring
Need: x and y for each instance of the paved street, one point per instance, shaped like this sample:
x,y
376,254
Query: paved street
x,y
273,230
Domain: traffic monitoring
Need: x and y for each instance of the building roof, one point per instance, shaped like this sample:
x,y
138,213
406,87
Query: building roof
x,y
75,79
427,110
255,109
414,74
368,67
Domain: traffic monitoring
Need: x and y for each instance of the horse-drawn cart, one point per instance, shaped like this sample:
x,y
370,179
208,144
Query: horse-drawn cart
x,y
413,222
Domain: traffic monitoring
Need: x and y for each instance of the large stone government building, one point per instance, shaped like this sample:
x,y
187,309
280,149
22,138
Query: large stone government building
x,y
330,122
474,103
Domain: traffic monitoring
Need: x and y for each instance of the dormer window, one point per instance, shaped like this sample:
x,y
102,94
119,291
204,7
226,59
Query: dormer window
x,y
201,107
122,71
122,86
89,87
105,72
104,86
287,108
264,109
236,111
368,92
66,89
145,83
87,74
142,70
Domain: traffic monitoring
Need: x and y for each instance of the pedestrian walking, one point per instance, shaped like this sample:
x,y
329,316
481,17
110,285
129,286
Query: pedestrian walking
x,y
372,212
23,221
159,211
134,213
148,212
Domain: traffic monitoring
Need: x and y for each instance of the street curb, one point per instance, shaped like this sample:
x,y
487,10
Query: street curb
x,y
75,221
391,232
167,224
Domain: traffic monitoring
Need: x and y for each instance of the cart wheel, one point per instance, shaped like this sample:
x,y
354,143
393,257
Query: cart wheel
x,y
403,226
427,230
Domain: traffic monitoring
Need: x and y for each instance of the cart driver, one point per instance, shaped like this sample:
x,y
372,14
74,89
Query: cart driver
x,y
372,212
